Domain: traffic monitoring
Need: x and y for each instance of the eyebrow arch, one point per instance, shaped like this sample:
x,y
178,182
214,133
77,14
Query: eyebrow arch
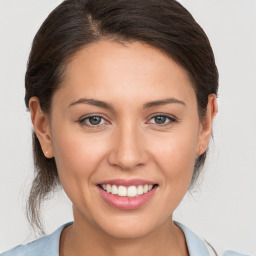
x,y
97,103
163,102
103,104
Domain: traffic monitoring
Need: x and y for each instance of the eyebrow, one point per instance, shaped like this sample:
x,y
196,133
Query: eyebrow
x,y
103,104
94,102
163,102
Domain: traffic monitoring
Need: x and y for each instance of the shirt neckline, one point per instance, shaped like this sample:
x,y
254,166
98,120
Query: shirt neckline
x,y
196,246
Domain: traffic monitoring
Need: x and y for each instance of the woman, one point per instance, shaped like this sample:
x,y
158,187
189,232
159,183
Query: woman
x,y
122,96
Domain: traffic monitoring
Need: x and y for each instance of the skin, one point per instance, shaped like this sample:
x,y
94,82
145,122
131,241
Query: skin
x,y
127,144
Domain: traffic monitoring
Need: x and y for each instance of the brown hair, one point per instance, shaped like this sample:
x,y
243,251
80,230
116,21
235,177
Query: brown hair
x,y
164,24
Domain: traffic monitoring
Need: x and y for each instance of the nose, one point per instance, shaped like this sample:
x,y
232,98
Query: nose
x,y
128,148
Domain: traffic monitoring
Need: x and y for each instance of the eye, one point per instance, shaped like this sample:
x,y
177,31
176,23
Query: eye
x,y
162,120
92,121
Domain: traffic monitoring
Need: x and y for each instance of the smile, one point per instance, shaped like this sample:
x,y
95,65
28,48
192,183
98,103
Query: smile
x,y
131,191
127,194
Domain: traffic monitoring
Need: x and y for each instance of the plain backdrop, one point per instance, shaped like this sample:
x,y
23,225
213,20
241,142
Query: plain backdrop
x,y
222,208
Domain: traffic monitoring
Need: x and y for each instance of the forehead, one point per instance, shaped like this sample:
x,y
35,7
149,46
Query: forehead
x,y
114,70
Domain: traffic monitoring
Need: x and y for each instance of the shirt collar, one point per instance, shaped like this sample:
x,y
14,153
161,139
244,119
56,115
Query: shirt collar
x,y
196,246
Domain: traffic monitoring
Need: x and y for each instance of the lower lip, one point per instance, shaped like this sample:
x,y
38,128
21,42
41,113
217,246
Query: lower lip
x,y
127,203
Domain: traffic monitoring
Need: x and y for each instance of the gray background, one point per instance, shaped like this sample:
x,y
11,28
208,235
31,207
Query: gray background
x,y
223,207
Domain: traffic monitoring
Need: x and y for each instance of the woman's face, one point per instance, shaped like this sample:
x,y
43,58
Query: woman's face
x,y
125,117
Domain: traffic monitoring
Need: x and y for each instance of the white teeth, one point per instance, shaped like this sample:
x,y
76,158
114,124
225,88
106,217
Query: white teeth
x,y
108,188
130,191
122,191
145,188
140,190
114,190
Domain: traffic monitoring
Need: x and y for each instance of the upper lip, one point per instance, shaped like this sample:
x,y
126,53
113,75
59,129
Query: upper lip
x,y
127,183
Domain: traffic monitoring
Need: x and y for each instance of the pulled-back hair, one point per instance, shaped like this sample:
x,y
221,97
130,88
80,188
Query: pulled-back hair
x,y
163,24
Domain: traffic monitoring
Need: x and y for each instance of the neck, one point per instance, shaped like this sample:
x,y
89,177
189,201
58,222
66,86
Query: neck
x,y
83,239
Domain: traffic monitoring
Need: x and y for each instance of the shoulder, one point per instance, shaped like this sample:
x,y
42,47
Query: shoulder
x,y
34,248
44,246
232,253
199,247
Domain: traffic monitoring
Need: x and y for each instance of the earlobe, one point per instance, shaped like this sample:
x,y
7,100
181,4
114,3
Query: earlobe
x,y
206,124
41,126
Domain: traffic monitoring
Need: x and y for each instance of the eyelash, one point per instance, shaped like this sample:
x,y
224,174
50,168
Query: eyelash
x,y
170,118
83,120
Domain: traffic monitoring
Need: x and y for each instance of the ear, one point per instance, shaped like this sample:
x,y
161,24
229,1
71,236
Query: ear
x,y
41,125
206,125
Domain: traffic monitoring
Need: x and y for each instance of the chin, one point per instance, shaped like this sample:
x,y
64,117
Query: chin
x,y
128,231
132,226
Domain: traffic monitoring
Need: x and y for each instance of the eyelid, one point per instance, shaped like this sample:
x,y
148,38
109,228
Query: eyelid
x,y
82,119
172,119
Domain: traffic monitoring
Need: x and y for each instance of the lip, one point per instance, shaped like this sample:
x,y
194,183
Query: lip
x,y
127,203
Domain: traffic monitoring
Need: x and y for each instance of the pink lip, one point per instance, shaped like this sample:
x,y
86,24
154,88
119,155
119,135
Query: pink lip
x,y
127,183
126,203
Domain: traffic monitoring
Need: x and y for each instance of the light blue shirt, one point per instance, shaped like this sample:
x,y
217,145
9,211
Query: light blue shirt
x,y
49,245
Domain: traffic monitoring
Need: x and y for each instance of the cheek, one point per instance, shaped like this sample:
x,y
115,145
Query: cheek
x,y
77,156
175,155
176,160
